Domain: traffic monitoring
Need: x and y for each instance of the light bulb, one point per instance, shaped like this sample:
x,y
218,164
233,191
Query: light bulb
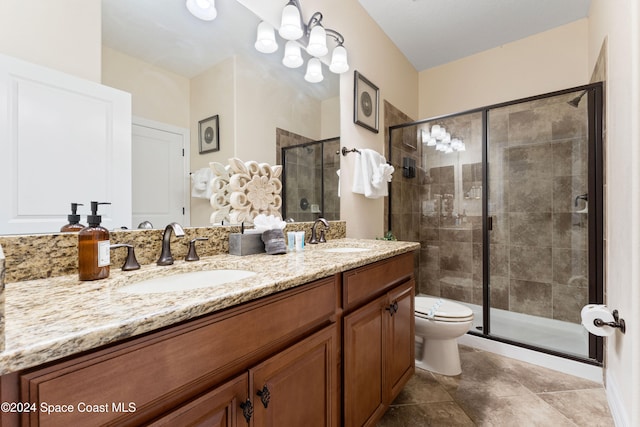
x,y
314,71
202,9
290,26
318,42
266,39
292,56
339,62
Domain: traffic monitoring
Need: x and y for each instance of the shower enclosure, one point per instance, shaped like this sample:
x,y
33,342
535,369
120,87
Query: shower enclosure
x,y
507,205
310,181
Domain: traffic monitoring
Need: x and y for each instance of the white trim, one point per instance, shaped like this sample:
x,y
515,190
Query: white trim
x,y
185,133
619,415
567,366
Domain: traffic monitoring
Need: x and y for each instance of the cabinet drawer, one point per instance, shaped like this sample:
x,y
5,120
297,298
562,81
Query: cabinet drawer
x,y
364,283
165,368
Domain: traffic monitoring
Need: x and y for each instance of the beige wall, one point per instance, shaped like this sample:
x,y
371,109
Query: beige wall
x,y
552,60
156,94
373,54
48,33
618,23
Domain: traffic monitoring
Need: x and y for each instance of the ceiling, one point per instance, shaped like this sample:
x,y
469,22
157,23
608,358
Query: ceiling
x,y
428,32
434,32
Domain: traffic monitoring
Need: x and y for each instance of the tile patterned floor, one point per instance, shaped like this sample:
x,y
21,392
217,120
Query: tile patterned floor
x,y
498,391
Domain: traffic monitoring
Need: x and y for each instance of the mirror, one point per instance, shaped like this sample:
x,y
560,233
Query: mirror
x,y
165,35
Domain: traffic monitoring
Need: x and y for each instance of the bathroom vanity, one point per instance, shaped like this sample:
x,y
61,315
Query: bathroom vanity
x,y
323,337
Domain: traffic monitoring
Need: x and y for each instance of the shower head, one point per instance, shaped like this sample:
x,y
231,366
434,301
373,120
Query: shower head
x,y
576,101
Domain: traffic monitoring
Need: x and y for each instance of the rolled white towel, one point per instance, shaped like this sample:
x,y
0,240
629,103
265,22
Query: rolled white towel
x,y
382,175
201,183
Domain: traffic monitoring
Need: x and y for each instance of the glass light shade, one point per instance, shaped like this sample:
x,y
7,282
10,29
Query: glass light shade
x,y
462,147
448,149
339,62
318,42
432,141
440,146
266,39
290,26
202,9
424,135
314,71
441,133
447,137
292,56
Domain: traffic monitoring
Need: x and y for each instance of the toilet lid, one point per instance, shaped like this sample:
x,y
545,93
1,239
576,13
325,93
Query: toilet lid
x,y
442,309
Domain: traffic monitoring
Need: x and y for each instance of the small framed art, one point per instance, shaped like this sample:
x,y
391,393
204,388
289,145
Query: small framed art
x,y
365,102
209,134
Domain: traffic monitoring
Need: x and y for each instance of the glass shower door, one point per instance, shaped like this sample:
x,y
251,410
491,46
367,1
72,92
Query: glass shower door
x,y
538,214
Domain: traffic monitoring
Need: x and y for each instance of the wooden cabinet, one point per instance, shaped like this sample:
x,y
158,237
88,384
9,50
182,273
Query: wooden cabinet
x,y
220,407
378,338
296,387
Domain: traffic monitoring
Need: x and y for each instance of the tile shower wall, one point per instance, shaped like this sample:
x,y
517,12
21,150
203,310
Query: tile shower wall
x,y
537,166
311,181
537,169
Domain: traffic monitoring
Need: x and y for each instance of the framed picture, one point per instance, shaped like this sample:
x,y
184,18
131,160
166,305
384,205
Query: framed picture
x,y
365,103
209,135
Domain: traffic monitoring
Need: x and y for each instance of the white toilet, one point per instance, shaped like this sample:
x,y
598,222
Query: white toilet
x,y
439,323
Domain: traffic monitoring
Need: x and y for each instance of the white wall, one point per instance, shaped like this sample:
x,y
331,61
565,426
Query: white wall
x,y
618,24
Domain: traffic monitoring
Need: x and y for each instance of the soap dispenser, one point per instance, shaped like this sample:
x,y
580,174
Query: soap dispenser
x,y
94,247
74,220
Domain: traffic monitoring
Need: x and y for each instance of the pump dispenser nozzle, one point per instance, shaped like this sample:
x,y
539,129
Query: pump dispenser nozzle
x,y
74,219
94,219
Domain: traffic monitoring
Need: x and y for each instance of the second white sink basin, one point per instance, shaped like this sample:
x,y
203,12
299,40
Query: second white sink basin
x,y
345,250
186,281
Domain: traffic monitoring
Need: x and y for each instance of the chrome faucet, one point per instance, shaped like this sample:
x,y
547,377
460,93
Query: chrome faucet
x,y
165,255
314,239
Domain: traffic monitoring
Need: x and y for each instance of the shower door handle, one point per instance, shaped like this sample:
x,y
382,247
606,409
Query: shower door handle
x,y
489,223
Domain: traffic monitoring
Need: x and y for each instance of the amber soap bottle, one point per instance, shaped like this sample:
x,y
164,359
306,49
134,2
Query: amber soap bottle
x,y
74,220
94,247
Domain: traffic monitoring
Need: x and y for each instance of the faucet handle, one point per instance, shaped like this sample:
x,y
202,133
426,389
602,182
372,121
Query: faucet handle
x,y
192,255
131,263
322,238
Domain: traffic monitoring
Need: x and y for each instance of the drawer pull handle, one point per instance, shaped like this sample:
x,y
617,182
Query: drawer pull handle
x,y
247,410
393,308
264,395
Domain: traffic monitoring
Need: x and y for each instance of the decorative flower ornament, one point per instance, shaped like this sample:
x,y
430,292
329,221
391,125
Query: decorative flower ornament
x,y
253,188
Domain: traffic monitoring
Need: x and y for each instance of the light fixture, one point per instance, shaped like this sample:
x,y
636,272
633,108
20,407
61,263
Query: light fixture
x,y
314,71
203,9
313,37
292,57
442,140
317,42
266,39
291,24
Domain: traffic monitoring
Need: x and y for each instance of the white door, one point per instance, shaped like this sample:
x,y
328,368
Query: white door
x,y
159,174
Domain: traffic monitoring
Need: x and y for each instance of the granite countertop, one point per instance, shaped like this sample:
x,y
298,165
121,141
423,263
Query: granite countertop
x,y
48,319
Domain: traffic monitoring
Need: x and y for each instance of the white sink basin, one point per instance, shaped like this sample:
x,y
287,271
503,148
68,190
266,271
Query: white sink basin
x,y
186,281
346,250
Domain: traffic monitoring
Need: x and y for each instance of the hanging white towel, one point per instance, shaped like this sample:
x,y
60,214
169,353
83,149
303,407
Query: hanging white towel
x,y
371,174
338,173
201,183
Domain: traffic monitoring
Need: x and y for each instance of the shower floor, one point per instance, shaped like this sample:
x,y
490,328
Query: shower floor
x,y
558,335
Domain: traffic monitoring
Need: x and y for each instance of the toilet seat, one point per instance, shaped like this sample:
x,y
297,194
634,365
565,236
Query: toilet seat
x,y
445,310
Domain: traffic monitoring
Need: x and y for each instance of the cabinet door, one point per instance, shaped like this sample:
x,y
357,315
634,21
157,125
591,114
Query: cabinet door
x,y
363,349
400,348
298,386
218,408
